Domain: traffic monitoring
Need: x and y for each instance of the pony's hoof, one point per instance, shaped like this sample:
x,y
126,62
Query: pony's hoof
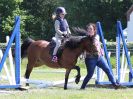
x,y
77,79
27,84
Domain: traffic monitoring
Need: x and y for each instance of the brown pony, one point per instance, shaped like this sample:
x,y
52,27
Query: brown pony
x,y
38,54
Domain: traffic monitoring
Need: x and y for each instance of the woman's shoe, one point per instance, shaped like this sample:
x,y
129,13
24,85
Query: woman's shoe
x,y
117,86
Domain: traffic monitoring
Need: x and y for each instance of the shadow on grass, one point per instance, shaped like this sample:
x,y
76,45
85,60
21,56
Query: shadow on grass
x,y
105,86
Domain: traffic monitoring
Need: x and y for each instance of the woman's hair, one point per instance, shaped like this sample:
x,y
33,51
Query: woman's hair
x,y
94,26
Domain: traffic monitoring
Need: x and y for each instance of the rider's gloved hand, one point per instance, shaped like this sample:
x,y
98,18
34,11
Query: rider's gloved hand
x,y
65,35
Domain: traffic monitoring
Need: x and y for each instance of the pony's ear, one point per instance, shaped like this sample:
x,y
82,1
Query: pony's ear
x,y
80,31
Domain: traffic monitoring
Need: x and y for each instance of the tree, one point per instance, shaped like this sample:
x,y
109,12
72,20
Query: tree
x,y
106,11
36,21
6,8
41,24
7,21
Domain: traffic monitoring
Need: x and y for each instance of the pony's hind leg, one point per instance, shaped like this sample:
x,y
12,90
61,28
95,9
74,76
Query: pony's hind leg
x,y
28,72
31,63
78,74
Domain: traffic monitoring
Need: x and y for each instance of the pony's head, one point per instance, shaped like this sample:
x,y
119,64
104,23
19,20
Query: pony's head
x,y
81,40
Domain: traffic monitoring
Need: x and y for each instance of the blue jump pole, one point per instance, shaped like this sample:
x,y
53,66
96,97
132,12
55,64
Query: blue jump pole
x,y
99,31
18,50
126,50
15,35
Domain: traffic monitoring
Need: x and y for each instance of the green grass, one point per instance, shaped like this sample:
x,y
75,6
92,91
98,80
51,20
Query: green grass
x,y
73,92
59,93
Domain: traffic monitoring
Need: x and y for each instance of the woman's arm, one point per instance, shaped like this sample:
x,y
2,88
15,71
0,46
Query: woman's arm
x,y
98,45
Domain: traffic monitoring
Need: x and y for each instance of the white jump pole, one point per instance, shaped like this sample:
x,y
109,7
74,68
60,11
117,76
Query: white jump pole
x,y
124,69
6,69
58,83
122,64
10,73
11,63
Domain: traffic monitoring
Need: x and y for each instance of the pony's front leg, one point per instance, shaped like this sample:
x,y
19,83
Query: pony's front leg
x,y
78,74
66,78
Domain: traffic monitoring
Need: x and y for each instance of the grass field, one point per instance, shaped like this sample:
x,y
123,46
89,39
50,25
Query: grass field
x,y
59,93
73,92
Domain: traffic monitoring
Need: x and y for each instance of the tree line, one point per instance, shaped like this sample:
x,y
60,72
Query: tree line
x,y
36,16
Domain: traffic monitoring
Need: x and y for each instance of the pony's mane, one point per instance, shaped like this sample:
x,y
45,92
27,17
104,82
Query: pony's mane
x,y
79,31
73,42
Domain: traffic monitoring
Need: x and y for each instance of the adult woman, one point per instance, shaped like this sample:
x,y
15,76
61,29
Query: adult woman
x,y
94,57
61,28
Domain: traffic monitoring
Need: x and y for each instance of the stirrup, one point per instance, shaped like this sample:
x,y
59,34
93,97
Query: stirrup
x,y
54,58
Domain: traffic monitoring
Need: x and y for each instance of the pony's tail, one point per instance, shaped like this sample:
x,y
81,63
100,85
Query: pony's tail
x,y
25,46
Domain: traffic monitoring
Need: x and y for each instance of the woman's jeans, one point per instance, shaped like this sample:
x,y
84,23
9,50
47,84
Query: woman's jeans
x,y
91,63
